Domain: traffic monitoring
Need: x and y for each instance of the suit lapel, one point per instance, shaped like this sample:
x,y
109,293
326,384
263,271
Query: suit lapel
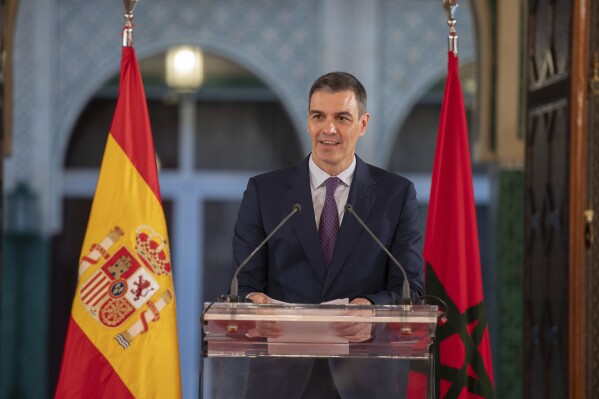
x,y
362,197
304,223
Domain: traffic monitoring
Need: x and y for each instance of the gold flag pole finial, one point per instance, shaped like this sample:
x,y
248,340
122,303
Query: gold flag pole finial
x,y
450,9
128,30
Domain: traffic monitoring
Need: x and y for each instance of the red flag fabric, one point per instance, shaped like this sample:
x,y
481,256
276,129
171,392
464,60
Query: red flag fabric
x,y
452,257
122,335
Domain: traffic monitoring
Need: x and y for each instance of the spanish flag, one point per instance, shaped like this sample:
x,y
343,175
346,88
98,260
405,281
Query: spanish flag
x,y
122,334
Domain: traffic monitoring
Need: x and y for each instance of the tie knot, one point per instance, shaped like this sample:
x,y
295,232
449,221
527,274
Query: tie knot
x,y
332,184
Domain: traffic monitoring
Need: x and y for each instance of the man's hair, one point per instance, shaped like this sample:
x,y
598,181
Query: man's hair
x,y
335,82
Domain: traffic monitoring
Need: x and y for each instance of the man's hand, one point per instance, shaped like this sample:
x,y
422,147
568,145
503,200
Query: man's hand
x,y
356,332
259,298
360,301
263,329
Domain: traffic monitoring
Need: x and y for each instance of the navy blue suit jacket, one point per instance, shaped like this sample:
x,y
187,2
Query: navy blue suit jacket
x,y
291,266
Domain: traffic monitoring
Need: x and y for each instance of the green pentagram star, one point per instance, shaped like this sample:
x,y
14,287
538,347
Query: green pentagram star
x,y
457,323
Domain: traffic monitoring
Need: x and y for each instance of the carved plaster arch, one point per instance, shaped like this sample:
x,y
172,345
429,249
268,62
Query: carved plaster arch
x,y
234,54
419,66
428,77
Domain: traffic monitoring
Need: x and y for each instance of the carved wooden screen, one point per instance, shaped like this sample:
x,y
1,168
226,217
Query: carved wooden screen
x,y
592,214
547,179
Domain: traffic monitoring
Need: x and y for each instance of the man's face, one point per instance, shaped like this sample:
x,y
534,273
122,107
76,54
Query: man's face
x,y
334,127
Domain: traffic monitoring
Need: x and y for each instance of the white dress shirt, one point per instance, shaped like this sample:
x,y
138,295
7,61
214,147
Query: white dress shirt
x,y
319,190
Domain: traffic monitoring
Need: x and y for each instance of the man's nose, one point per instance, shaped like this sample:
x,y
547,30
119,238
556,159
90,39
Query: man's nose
x,y
330,128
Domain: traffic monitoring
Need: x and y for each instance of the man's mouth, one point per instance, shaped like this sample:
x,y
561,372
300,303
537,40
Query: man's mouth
x,y
328,142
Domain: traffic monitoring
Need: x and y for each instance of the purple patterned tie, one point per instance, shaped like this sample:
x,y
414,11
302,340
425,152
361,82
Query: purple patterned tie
x,y
329,221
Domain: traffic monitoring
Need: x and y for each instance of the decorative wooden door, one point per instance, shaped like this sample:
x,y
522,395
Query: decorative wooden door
x,y
556,179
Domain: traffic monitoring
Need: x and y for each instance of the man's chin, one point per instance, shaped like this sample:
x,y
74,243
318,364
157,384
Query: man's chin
x,y
329,153
327,158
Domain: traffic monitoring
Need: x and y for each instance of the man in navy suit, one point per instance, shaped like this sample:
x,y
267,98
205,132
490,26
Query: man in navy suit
x,y
292,267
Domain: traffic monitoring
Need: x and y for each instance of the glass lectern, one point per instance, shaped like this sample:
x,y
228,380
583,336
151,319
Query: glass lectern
x,y
402,338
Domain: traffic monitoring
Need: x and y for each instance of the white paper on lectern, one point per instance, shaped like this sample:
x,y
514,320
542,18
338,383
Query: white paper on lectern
x,y
309,331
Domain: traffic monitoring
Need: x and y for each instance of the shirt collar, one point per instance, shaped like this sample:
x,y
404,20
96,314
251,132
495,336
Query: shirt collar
x,y
319,176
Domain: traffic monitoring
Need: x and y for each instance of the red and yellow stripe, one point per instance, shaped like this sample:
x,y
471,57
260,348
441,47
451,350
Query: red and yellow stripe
x,y
127,195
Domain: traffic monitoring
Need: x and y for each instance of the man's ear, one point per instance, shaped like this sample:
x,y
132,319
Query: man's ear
x,y
364,123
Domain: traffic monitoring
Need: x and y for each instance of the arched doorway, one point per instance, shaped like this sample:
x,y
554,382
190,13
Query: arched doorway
x,y
208,143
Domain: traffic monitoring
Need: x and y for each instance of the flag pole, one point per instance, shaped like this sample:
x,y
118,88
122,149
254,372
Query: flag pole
x,y
128,31
450,9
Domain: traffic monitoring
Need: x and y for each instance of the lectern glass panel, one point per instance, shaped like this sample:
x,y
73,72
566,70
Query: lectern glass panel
x,y
308,355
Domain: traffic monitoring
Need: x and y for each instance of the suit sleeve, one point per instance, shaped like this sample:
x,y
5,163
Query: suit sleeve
x,y
407,249
248,234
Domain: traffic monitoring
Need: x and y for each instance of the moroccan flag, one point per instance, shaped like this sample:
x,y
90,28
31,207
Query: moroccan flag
x,y
122,334
452,257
